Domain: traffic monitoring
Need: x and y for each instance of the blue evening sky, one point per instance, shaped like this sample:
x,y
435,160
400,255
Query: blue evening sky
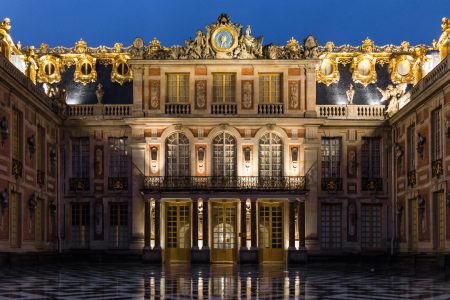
x,y
63,22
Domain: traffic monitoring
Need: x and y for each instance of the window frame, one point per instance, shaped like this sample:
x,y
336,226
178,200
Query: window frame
x,y
270,92
216,98
179,86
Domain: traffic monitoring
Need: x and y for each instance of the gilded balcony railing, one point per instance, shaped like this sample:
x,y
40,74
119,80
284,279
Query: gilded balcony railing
x,y
372,184
79,184
230,184
118,183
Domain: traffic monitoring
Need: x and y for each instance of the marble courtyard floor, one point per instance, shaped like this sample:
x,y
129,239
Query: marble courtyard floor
x,y
143,281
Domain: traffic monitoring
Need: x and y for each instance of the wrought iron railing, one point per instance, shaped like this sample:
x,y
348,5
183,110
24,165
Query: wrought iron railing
x,y
437,168
118,183
79,184
214,183
332,184
372,184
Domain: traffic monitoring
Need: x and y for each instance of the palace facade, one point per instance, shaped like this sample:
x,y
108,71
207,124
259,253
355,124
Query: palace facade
x,y
225,150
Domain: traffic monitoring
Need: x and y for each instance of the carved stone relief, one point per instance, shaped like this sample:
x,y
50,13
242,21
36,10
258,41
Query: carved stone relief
x,y
351,231
247,94
200,94
98,165
154,94
293,94
351,161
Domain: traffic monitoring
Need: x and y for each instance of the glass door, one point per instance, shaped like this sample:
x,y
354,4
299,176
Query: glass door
x,y
224,232
80,225
271,232
178,232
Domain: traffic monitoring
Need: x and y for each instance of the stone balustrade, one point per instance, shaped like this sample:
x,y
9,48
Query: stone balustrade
x,y
270,109
178,108
343,111
438,72
106,110
224,109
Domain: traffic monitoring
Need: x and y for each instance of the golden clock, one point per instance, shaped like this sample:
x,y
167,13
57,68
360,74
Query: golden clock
x,y
224,39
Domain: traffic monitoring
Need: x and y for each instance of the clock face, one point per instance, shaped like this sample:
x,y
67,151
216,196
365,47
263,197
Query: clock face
x,y
224,39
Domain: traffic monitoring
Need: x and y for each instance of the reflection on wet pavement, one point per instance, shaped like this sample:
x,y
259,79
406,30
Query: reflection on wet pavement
x,y
143,281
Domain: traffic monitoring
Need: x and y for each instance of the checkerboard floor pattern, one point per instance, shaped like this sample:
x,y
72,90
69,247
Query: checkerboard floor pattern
x,y
143,281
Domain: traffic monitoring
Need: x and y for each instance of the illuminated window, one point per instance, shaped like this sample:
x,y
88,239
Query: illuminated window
x,y
331,157
177,88
224,88
118,157
270,88
270,156
80,157
177,155
224,155
436,141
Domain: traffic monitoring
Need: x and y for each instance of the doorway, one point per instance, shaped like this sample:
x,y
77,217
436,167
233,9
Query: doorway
x,y
224,226
178,232
271,232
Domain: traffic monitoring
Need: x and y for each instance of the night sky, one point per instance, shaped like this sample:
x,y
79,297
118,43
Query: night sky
x,y
63,22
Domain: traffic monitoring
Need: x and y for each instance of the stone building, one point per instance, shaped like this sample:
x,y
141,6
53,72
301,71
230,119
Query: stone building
x,y
224,149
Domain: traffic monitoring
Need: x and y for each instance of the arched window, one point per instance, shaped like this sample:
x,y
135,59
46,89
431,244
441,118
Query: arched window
x,y
270,156
224,155
177,155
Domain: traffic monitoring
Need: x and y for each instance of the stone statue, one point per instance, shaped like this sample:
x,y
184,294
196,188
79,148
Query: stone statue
x,y
249,47
350,93
6,25
392,95
310,47
99,93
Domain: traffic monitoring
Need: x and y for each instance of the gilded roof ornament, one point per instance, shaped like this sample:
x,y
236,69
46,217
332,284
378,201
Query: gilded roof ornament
x,y
293,44
155,45
367,45
118,47
44,48
405,46
81,47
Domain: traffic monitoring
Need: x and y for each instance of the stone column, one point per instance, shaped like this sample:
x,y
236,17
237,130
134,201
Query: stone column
x,y
205,224
310,91
147,225
243,224
138,91
195,224
291,224
253,223
301,224
157,224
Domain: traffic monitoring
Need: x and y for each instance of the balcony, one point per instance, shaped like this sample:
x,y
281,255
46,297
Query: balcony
x,y
357,112
270,109
223,108
372,184
16,168
108,111
79,184
331,184
117,183
177,108
40,177
436,168
297,184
